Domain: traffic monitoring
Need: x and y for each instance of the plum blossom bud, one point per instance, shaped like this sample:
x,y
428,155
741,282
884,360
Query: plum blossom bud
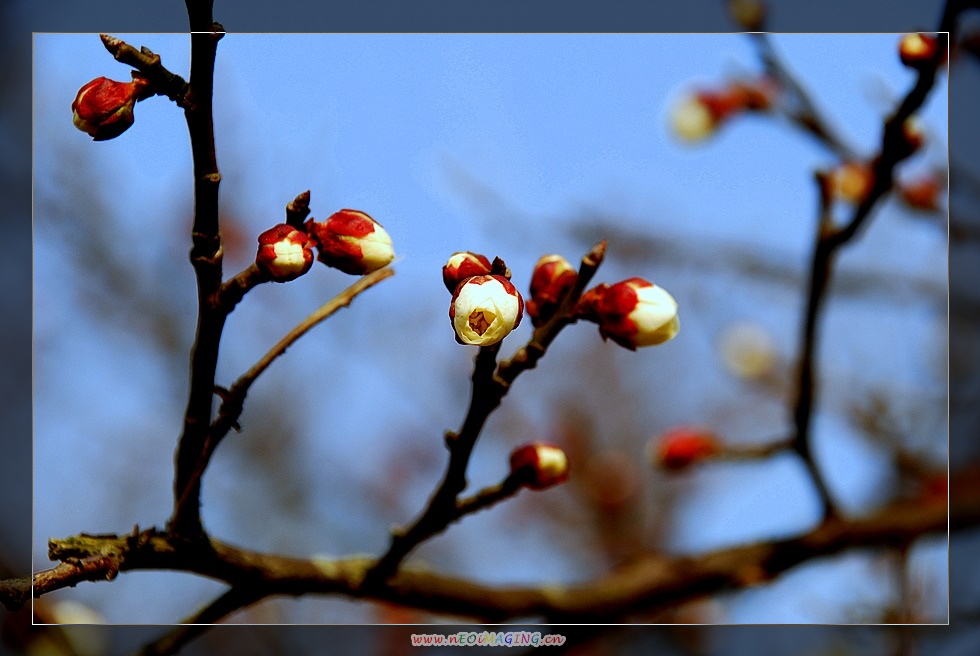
x,y
697,116
103,108
463,265
285,253
923,193
552,278
352,241
544,465
747,350
850,182
485,309
918,50
913,133
683,446
632,313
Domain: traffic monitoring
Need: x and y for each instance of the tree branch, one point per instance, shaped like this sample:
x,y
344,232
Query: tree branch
x,y
206,256
148,64
894,148
488,390
233,399
651,582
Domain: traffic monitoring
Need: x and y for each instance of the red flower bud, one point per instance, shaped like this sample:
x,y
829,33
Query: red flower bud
x,y
544,465
553,277
103,108
285,253
923,193
463,265
699,115
352,241
918,50
632,313
485,309
683,446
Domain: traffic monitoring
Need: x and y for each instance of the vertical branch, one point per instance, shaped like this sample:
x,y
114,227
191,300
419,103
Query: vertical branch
x,y
895,147
206,256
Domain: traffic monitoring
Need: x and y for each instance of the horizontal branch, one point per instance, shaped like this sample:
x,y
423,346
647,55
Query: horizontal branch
x,y
651,582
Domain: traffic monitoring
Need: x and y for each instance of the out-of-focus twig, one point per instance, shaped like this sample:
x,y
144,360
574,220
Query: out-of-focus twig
x,y
829,238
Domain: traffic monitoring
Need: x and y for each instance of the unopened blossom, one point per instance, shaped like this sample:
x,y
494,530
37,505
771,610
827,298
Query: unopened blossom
x,y
682,446
285,253
463,265
103,108
351,241
485,309
632,313
697,116
747,350
553,277
544,465
917,50
923,193
850,182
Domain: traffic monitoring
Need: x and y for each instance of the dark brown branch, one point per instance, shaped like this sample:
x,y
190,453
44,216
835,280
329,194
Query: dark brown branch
x,y
206,256
488,389
651,582
233,290
894,148
233,399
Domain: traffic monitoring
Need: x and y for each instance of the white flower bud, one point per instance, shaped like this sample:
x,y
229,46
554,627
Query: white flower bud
x,y
633,313
485,309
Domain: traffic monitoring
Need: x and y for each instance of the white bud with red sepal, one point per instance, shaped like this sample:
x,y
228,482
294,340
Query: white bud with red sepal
x,y
632,313
285,253
352,241
463,265
485,309
553,277
540,465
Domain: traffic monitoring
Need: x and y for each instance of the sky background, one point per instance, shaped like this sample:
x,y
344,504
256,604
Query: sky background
x,y
510,145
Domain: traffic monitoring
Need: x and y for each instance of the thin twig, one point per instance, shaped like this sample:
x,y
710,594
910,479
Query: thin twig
x,y
490,385
233,399
894,148
804,111
147,62
192,627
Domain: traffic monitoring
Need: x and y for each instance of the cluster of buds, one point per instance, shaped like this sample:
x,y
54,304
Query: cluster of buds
x,y
699,115
552,279
680,447
485,306
103,108
632,313
919,50
540,465
348,240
